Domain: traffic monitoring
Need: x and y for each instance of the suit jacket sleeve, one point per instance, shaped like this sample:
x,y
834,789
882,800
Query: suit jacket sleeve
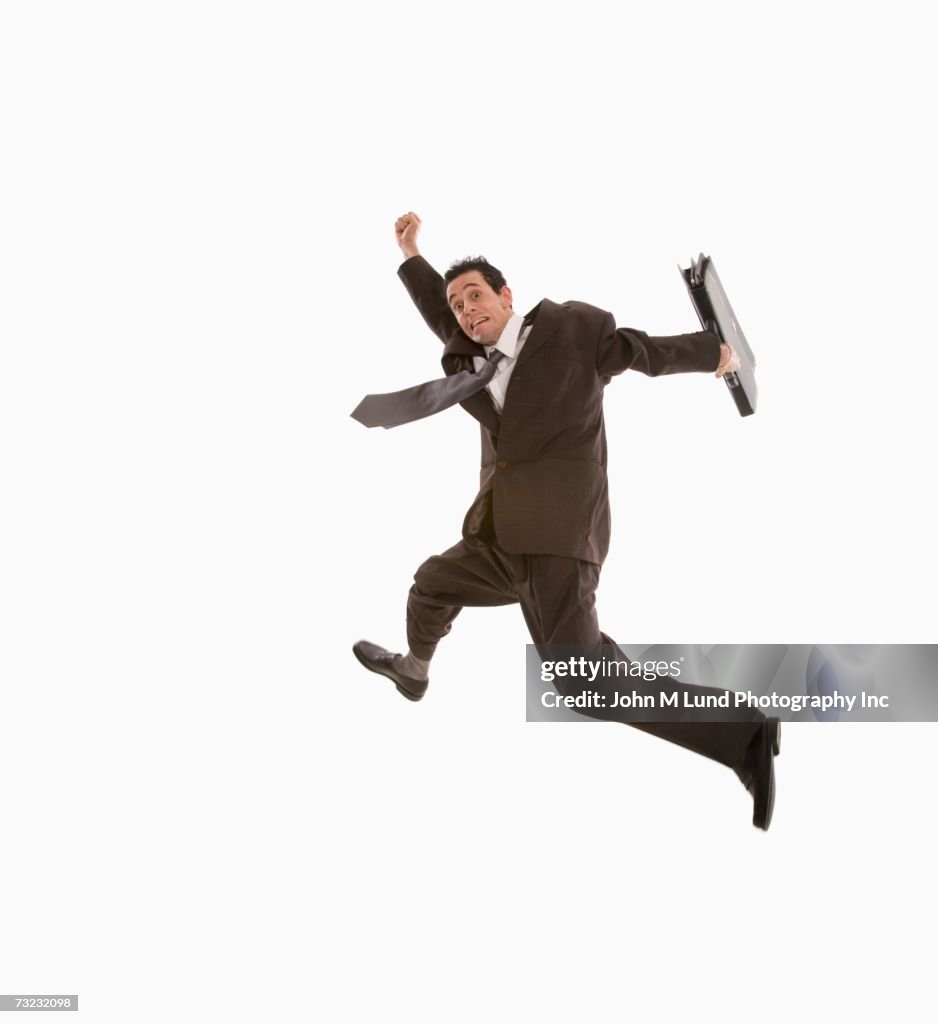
x,y
425,286
626,349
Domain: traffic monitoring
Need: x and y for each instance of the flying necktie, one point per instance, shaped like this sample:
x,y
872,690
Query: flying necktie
x,y
399,407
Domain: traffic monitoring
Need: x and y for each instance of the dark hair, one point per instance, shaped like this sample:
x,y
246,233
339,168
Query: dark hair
x,y
494,278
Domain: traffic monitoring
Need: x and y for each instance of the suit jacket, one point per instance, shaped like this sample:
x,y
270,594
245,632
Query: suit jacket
x,y
543,484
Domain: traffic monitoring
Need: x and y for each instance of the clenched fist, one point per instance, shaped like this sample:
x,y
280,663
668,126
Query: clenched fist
x,y
406,229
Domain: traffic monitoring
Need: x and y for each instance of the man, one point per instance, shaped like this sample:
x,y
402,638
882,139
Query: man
x,y
538,530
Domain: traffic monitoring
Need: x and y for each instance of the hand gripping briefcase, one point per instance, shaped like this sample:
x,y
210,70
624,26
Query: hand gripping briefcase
x,y
716,314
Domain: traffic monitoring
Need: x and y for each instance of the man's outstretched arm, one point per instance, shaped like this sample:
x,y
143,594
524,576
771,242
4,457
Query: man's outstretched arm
x,y
424,285
623,349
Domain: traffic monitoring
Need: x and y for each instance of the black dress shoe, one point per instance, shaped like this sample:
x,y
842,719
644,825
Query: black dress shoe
x,y
377,659
758,771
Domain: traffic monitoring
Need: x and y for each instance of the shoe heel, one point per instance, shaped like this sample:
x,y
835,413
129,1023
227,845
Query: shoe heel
x,y
409,696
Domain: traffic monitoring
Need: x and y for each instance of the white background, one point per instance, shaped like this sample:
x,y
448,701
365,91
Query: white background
x,y
208,810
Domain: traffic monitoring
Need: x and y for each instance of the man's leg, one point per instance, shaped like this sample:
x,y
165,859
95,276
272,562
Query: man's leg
x,y
463,576
558,601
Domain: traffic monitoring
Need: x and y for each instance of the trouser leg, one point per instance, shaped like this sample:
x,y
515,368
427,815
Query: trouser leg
x,y
463,576
558,601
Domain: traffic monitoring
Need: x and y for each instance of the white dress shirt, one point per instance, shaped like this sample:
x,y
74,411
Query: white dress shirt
x,y
510,343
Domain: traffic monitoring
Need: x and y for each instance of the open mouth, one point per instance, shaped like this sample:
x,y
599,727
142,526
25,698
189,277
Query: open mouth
x,y
476,323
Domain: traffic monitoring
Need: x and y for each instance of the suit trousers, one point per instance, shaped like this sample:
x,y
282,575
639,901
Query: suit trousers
x,y
557,598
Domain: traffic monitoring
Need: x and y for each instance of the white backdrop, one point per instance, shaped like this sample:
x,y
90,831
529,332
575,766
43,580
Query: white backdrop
x,y
207,808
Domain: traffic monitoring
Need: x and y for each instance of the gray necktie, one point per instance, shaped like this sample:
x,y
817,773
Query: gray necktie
x,y
399,407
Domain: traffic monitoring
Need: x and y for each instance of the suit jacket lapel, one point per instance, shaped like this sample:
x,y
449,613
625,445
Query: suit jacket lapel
x,y
459,345
457,356
483,409
545,319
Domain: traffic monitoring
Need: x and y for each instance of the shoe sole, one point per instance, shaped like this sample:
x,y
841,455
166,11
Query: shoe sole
x,y
762,816
380,672
405,693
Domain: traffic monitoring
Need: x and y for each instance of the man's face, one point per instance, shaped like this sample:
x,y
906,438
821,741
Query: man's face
x,y
482,312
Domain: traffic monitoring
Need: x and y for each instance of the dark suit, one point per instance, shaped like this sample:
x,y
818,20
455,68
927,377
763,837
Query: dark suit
x,y
548,452
538,530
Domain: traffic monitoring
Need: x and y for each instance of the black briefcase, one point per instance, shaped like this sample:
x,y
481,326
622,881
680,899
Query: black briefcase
x,y
716,314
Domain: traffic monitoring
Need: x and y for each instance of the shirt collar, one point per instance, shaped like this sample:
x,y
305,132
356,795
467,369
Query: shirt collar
x,y
508,340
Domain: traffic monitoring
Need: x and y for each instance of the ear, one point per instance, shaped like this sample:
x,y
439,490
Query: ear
x,y
505,296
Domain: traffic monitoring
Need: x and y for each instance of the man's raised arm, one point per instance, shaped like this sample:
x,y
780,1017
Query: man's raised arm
x,y
424,285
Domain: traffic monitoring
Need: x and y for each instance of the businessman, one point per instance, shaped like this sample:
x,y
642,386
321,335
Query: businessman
x,y
538,530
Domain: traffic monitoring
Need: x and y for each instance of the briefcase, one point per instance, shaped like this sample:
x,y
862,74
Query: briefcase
x,y
716,314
